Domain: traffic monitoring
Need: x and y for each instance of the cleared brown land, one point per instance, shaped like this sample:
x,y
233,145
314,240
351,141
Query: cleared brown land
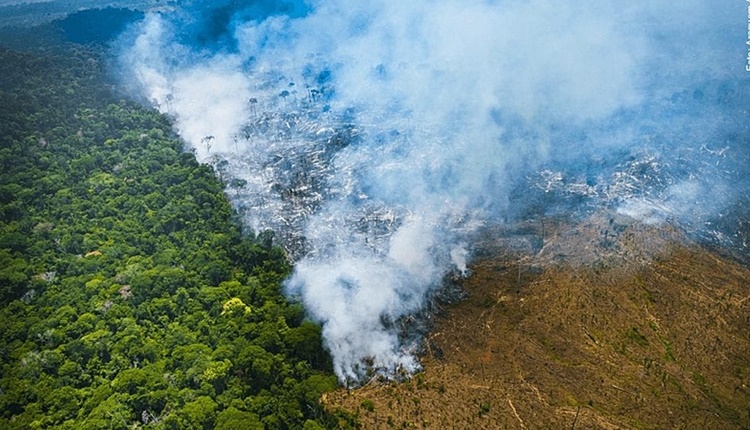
x,y
610,325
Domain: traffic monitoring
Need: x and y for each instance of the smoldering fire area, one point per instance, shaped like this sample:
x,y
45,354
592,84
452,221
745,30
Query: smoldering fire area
x,y
377,139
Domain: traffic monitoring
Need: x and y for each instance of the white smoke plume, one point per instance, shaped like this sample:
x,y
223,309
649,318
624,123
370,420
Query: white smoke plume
x,y
376,137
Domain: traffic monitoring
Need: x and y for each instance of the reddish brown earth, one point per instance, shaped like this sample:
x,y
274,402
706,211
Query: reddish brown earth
x,y
604,325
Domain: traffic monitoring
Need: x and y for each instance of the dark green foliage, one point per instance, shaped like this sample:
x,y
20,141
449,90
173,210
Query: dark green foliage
x,y
130,295
97,25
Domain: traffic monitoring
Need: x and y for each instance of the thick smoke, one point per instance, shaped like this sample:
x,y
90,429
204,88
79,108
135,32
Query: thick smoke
x,y
376,137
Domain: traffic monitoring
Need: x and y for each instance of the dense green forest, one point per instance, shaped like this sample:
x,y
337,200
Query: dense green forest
x,y
131,295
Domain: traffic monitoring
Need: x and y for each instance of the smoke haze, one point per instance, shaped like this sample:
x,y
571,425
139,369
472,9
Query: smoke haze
x,y
376,137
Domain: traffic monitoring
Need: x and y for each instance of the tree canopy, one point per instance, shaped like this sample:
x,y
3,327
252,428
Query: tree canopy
x,y
131,294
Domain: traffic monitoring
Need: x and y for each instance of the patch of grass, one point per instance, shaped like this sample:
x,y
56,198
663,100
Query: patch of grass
x,y
699,380
649,296
668,352
420,381
635,335
367,405
647,363
550,348
739,372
